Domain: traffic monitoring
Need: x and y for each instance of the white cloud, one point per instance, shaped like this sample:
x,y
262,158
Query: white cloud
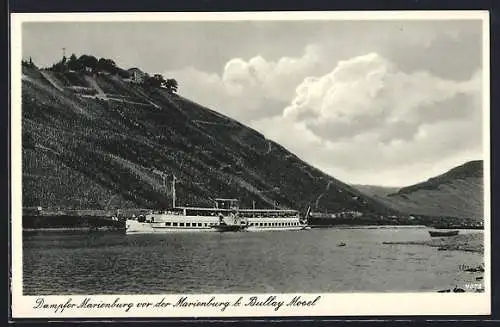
x,y
379,125
252,89
366,121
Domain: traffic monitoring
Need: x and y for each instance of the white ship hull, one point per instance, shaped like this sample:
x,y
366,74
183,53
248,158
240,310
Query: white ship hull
x,y
172,223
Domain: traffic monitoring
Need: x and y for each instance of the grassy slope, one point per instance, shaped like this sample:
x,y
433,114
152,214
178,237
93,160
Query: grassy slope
x,y
376,191
85,153
456,193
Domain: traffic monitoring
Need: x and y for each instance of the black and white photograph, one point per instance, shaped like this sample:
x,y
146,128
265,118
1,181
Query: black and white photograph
x,y
269,162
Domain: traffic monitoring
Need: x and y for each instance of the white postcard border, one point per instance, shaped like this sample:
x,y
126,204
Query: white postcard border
x,y
329,304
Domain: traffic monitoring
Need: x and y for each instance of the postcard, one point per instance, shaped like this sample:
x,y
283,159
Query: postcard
x,y
250,164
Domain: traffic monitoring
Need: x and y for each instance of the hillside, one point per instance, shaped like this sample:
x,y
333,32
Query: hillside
x,y
376,191
97,141
456,193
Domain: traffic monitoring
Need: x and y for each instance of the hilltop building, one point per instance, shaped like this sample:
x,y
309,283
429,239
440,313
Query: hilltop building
x,y
136,75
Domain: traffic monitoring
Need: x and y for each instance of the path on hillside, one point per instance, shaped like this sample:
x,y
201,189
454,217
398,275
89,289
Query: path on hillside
x,y
103,96
51,91
323,194
96,87
211,123
136,92
51,80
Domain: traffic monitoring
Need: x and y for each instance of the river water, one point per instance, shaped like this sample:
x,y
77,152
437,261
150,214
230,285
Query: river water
x,y
254,262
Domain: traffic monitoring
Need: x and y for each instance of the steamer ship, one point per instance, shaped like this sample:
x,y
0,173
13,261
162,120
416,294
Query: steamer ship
x,y
225,216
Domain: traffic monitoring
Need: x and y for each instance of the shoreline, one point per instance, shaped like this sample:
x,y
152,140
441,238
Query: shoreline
x,y
71,229
114,228
473,242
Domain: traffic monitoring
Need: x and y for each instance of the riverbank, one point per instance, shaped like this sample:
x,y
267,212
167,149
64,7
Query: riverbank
x,y
473,242
73,229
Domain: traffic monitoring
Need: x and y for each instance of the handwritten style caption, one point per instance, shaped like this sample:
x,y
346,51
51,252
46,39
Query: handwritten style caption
x,y
219,303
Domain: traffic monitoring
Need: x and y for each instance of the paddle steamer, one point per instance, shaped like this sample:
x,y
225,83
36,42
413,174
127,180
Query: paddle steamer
x,y
225,216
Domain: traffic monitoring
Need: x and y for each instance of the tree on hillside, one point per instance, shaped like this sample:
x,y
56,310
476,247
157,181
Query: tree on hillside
x,y
123,73
156,80
73,63
28,63
107,65
171,85
88,62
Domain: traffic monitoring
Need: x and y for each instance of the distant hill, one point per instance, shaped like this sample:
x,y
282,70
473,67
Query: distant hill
x,y
456,193
376,191
98,140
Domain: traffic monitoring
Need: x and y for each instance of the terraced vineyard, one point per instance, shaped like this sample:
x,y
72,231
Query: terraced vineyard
x,y
80,152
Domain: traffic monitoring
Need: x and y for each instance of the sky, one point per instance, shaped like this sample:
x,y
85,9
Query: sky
x,y
388,103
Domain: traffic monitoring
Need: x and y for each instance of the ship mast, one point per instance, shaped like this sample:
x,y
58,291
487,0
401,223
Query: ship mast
x,y
173,191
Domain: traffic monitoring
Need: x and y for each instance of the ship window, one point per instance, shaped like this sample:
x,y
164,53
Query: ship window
x,y
181,224
167,224
188,224
174,224
206,224
199,224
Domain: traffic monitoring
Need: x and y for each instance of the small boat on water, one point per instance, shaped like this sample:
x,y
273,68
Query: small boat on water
x,y
436,233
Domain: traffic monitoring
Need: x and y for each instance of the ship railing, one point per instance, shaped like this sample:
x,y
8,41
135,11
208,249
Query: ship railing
x,y
195,211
